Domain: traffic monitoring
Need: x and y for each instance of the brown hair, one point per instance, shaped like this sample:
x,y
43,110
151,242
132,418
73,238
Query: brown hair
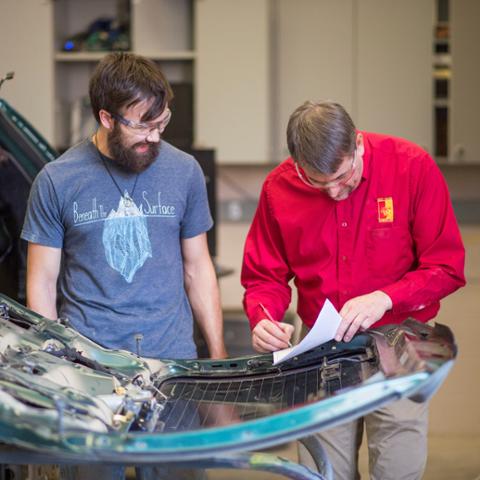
x,y
122,80
320,135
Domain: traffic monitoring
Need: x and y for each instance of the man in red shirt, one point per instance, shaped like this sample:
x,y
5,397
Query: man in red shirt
x,y
366,221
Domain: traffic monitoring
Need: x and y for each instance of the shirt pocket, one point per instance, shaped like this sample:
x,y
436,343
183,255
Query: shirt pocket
x,y
389,252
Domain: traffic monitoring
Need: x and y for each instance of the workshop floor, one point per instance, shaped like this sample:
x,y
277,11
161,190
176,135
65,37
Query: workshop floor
x,y
454,439
449,458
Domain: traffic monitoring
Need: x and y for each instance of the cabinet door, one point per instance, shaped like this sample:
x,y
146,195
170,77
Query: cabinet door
x,y
313,42
26,47
393,72
232,79
465,83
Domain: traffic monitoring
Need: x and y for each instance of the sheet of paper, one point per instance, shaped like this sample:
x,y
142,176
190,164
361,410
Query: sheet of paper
x,y
322,331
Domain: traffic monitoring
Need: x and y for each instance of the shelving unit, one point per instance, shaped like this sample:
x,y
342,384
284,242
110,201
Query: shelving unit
x,y
158,29
442,71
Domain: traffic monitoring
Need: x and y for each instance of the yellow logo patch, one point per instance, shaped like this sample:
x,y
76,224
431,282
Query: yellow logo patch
x,y
385,209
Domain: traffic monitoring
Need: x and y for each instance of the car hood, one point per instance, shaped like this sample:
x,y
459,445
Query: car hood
x,y
65,396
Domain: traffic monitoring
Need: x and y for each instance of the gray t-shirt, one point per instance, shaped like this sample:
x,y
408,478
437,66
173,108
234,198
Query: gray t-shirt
x,y
122,269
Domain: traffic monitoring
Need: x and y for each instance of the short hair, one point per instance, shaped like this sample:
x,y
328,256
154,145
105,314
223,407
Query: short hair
x,y
121,80
320,135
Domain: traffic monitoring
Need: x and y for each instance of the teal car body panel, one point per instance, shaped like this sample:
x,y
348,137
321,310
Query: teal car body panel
x,y
63,395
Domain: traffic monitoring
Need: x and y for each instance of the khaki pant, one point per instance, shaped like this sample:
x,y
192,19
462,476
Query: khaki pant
x,y
397,443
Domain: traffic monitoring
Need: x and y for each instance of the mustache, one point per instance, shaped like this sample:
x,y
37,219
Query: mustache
x,y
142,144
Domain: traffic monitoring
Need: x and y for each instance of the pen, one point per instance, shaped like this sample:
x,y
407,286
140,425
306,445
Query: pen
x,y
269,316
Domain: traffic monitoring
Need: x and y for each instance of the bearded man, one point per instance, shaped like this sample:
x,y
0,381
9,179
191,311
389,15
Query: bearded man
x,y
120,221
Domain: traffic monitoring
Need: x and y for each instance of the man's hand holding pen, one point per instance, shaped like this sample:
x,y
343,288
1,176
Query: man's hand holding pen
x,y
270,335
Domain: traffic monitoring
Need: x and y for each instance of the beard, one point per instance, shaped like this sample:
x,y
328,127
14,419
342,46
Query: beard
x,y
126,156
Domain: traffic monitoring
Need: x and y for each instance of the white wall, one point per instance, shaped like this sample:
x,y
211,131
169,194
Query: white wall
x,y
372,56
232,79
465,83
258,60
26,47
393,52
314,49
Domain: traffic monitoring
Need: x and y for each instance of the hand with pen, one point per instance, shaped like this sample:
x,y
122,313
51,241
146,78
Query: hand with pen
x,y
270,335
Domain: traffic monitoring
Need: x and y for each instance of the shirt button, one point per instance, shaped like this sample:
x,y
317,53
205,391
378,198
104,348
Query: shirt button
x,y
344,224
344,258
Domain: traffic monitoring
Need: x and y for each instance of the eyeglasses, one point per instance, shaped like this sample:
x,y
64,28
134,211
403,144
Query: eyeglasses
x,y
144,128
339,181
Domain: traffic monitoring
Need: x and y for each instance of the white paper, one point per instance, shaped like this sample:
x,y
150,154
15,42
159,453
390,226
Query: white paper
x,y
323,330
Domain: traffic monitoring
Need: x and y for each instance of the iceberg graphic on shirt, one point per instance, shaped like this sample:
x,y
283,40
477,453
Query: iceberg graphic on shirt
x,y
125,238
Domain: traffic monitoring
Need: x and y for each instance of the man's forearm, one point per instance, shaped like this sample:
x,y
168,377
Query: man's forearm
x,y
43,266
204,297
42,299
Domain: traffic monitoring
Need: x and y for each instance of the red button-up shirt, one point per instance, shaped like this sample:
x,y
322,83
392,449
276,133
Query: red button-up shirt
x,y
396,232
